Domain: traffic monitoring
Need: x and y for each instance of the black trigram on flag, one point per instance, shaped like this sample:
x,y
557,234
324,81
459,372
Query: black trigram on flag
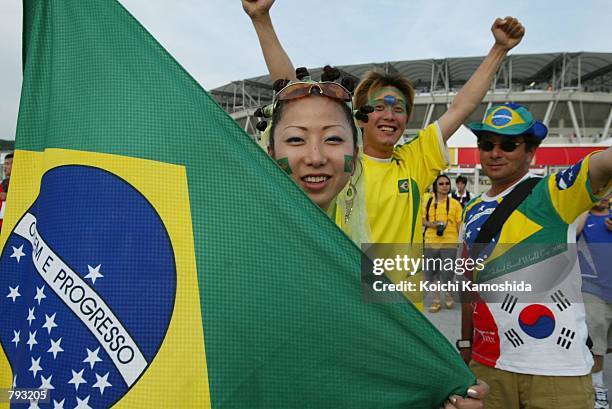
x,y
566,337
514,338
509,303
562,302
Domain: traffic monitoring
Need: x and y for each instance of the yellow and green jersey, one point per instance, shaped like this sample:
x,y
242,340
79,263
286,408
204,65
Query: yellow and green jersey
x,y
393,187
545,216
542,331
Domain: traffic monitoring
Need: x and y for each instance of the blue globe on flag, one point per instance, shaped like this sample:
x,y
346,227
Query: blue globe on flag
x,y
89,281
501,117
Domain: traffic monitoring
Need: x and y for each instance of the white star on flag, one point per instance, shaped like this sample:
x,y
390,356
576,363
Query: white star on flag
x,y
481,208
40,294
468,234
58,405
16,337
92,357
13,293
83,404
101,383
14,381
94,273
45,383
77,378
32,340
50,322
31,316
35,367
55,347
18,253
33,404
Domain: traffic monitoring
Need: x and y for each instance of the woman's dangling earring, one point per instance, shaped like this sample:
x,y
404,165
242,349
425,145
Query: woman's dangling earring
x,y
351,192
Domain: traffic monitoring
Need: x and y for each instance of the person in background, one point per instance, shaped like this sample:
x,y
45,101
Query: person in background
x,y
594,232
461,194
441,221
8,166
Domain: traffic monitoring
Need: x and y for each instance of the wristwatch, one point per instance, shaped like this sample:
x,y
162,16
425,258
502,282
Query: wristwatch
x,y
463,344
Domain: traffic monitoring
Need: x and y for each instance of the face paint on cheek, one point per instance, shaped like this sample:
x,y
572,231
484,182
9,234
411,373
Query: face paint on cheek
x,y
348,163
284,164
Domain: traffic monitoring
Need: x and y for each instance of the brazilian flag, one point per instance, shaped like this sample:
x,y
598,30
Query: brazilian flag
x,y
153,256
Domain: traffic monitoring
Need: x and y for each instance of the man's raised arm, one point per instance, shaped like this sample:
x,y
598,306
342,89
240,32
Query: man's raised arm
x,y
507,33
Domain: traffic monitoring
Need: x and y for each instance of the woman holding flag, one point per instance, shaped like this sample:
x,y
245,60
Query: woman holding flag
x,y
313,137
311,132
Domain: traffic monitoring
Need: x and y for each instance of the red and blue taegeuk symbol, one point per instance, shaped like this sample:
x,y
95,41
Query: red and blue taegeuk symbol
x,y
537,321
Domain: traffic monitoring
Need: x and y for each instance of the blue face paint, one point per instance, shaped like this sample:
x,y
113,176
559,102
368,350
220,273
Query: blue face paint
x,y
389,100
383,99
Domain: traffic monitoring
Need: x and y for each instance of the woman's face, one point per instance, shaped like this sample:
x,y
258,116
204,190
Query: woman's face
x,y
443,185
313,141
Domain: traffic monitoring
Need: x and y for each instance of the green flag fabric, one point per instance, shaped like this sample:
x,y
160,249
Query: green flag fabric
x,y
154,256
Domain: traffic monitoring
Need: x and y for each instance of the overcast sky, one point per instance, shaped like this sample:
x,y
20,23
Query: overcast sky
x,y
215,42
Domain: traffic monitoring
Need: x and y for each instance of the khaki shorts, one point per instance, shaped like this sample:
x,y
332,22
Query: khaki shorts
x,y
599,323
511,390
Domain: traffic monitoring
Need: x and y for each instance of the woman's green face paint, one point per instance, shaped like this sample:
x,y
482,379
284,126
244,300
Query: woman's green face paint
x,y
388,98
284,164
348,163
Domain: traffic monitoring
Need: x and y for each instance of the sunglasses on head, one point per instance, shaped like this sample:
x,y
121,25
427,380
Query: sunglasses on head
x,y
505,145
303,89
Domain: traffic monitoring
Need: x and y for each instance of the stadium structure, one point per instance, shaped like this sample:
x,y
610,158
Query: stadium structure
x,y
571,92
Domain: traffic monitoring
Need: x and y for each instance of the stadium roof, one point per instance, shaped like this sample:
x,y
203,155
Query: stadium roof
x,y
558,70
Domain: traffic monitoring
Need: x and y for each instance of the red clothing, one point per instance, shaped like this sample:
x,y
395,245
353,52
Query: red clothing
x,y
3,188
